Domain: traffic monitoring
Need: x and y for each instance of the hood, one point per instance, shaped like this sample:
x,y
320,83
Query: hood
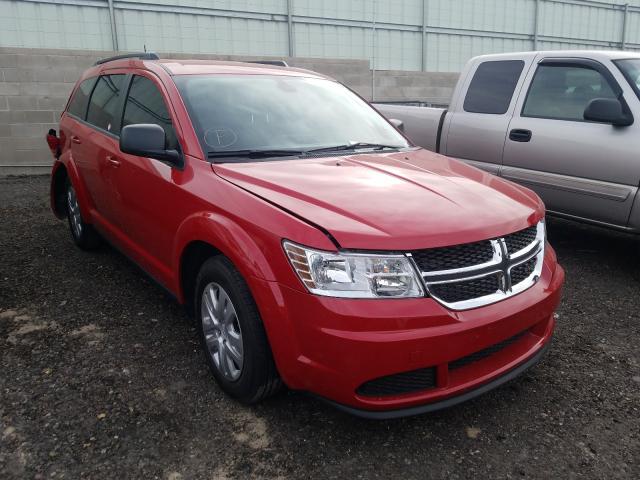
x,y
391,201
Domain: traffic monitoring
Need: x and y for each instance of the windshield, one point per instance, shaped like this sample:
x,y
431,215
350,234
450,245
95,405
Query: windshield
x,y
630,68
261,112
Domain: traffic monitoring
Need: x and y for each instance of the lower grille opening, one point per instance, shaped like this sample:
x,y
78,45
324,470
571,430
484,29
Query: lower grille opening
x,y
407,382
487,352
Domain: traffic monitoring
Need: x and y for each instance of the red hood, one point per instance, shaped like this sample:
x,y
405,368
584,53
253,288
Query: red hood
x,y
393,201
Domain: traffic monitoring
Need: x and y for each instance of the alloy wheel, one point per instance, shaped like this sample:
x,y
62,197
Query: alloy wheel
x,y
74,212
222,332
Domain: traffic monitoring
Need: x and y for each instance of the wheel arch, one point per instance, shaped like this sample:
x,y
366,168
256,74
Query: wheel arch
x,y
63,170
59,177
206,234
193,256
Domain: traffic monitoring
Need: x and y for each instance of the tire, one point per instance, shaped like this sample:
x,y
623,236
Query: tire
x,y
83,234
232,333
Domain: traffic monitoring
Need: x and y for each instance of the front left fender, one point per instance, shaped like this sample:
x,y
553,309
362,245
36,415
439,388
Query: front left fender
x,y
246,251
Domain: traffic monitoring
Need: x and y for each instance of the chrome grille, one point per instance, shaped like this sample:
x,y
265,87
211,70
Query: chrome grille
x,y
453,257
475,274
519,240
520,272
458,291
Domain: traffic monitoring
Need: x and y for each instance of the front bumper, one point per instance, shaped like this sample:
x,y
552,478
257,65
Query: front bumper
x,y
448,402
330,347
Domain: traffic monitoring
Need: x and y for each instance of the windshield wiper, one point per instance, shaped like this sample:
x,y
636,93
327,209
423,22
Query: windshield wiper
x,y
254,153
354,146
282,152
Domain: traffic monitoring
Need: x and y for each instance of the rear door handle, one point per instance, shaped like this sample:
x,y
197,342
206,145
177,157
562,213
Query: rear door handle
x,y
520,135
76,139
113,161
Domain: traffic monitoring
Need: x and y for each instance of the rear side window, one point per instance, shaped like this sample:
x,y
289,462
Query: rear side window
x,y
105,102
146,105
78,104
492,87
563,92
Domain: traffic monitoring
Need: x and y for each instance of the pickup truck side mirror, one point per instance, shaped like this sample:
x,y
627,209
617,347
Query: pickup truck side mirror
x,y
148,140
607,110
399,124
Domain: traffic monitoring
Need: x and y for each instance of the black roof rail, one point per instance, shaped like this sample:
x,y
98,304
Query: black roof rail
x,y
140,55
277,63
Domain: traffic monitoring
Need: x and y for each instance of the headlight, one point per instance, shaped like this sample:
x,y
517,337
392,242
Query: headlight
x,y
354,275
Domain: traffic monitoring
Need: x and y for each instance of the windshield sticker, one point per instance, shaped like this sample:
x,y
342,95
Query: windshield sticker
x,y
220,137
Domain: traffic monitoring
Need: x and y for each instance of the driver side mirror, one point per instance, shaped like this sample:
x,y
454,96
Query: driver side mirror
x,y
148,140
607,110
399,124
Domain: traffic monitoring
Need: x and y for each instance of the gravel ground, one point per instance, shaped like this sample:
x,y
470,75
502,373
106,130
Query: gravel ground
x,y
102,377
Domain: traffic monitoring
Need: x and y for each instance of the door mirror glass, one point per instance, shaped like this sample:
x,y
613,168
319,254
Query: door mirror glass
x,y
607,110
399,124
148,140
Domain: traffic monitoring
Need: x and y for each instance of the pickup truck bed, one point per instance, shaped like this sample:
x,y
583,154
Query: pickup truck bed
x,y
423,125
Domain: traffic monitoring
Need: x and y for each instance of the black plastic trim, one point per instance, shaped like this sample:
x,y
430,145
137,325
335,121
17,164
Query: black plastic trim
x,y
440,124
449,402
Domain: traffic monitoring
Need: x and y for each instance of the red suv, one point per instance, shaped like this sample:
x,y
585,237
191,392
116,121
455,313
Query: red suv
x,y
312,242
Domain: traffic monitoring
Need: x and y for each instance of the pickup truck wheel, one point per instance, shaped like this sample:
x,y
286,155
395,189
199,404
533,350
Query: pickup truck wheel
x,y
232,333
83,234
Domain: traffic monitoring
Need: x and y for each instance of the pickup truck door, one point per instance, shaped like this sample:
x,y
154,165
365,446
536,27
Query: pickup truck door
x,y
483,103
579,168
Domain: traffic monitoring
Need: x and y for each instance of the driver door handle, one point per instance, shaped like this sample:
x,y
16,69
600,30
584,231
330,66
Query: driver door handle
x,y
113,161
520,135
76,139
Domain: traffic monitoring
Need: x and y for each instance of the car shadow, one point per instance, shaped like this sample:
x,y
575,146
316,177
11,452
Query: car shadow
x,y
604,249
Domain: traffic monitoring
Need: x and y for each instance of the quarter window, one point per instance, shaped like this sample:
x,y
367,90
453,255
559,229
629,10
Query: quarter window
x,y
105,103
563,92
146,105
492,87
78,104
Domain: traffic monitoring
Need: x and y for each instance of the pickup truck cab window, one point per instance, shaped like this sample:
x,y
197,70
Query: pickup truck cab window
x,y
563,92
146,105
79,102
492,87
105,103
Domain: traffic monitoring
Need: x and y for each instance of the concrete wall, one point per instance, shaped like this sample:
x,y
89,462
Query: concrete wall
x,y
35,85
401,85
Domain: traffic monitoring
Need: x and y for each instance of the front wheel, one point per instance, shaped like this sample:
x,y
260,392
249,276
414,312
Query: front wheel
x,y
82,233
232,333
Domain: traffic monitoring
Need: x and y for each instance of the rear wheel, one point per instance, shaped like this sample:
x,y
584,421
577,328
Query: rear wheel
x,y
83,234
232,333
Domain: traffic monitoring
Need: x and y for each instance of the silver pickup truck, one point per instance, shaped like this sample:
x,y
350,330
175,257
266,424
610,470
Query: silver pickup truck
x,y
561,123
